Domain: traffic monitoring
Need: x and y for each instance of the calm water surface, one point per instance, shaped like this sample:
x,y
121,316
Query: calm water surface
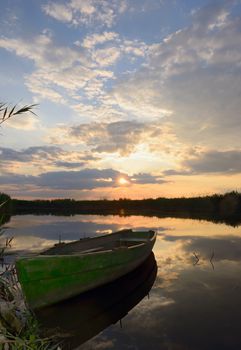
x,y
195,295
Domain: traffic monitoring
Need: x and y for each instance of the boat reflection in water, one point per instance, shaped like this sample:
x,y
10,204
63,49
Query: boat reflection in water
x,y
82,317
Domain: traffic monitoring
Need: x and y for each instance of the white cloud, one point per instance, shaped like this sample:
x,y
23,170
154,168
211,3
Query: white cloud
x,y
86,12
57,67
91,41
104,112
47,57
106,57
58,11
62,73
45,54
110,53
86,7
42,88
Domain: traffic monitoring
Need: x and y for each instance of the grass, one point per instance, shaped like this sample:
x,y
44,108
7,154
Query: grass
x,y
30,338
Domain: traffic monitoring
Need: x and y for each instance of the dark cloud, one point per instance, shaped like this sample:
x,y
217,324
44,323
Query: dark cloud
x,y
71,165
211,14
144,178
171,172
215,162
85,179
120,136
212,161
27,155
49,155
16,179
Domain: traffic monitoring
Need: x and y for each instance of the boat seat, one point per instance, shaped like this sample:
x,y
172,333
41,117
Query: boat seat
x,y
134,239
92,250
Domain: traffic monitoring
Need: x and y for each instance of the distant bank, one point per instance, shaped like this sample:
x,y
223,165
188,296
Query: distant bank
x,y
217,208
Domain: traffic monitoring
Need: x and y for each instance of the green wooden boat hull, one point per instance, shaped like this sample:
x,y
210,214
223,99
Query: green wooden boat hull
x,y
48,279
100,307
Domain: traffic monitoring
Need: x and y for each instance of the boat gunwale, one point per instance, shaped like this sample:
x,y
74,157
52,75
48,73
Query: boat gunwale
x,y
142,242
79,254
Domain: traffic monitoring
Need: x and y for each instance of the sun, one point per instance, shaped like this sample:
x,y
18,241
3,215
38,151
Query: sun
x,y
122,181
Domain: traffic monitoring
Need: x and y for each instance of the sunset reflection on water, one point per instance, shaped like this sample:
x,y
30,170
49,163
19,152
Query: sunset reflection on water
x,y
194,304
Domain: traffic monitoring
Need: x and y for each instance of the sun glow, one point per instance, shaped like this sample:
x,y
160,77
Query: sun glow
x,y
122,181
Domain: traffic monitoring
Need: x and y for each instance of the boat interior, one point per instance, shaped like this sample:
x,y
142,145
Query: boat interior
x,y
119,240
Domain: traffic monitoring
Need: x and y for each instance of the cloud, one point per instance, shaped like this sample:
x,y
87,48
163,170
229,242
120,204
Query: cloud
x,y
86,179
122,137
214,14
192,79
40,158
80,73
58,11
215,162
224,248
144,178
104,112
106,56
46,55
109,55
62,164
196,161
27,155
55,66
61,73
90,41
173,172
43,88
86,12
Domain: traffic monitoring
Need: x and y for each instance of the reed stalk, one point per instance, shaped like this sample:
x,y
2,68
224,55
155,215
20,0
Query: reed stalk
x,y
19,329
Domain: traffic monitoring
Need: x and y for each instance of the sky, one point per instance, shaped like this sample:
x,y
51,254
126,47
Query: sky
x,y
135,98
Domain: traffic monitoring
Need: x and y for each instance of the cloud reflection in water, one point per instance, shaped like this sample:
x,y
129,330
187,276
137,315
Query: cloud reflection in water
x,y
191,306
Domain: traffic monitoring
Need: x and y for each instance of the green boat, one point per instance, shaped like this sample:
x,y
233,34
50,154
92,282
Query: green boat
x,y
82,317
68,269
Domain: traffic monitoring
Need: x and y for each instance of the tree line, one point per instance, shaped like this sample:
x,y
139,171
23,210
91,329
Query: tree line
x,y
218,208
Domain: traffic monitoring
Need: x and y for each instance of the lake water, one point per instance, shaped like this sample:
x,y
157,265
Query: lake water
x,y
195,299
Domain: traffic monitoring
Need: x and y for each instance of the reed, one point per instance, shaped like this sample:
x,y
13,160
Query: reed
x,y
19,328
7,112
